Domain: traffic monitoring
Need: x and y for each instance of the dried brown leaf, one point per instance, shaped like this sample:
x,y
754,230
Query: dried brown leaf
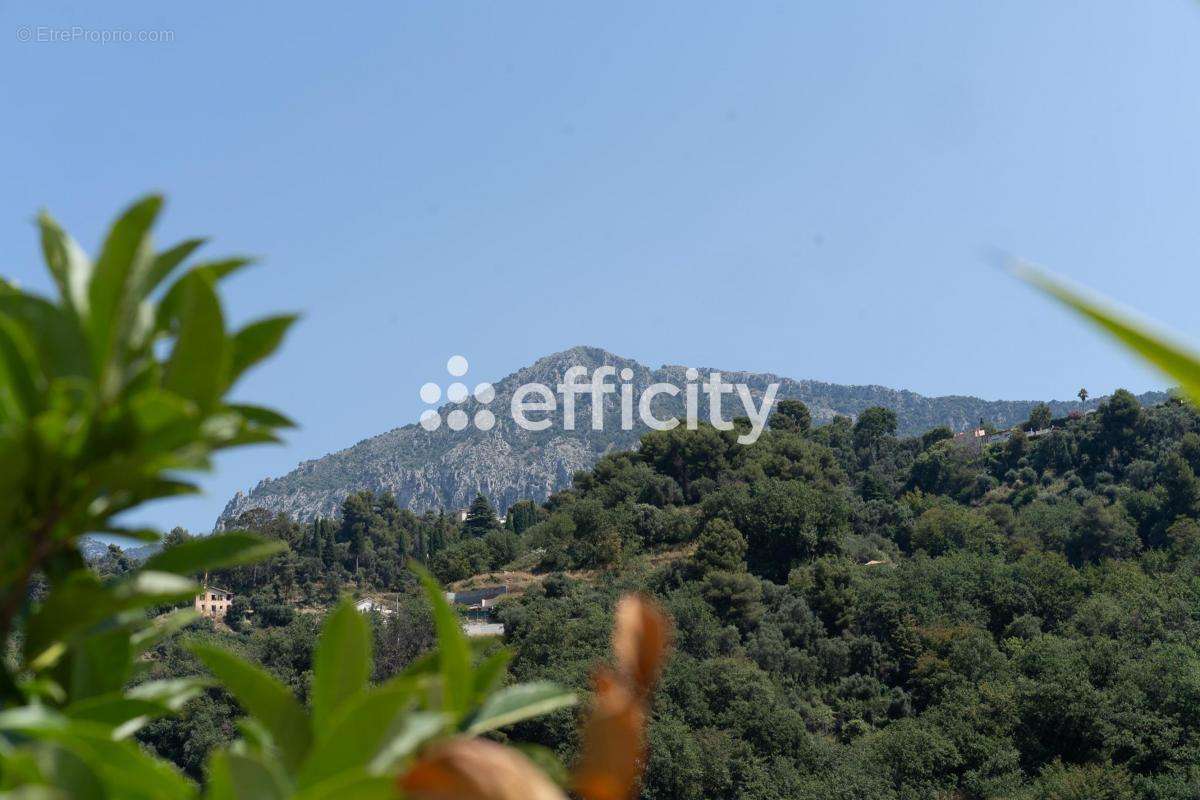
x,y
614,749
476,769
641,638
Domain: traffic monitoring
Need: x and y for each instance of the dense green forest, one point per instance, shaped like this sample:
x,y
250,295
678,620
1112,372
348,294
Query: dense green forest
x,y
858,615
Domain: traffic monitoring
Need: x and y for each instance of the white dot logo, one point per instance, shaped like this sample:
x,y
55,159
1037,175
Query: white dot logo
x,y
457,393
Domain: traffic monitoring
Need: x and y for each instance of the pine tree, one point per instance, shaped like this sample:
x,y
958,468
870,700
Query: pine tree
x,y
481,517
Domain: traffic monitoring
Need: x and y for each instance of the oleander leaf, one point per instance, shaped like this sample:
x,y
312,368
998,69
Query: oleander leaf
x,y
454,651
215,551
341,663
264,698
516,703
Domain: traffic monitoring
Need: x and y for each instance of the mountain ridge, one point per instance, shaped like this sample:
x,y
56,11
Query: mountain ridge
x,y
442,469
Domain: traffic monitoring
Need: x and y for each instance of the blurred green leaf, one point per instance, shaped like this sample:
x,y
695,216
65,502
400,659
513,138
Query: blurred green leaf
x,y
125,770
423,666
112,292
81,601
490,672
19,391
99,663
358,785
161,627
416,729
168,314
166,262
138,534
342,662
264,698
215,551
146,588
60,347
354,735
258,340
70,776
262,416
255,738
172,693
454,652
516,703
239,776
117,711
1173,359
70,267
199,362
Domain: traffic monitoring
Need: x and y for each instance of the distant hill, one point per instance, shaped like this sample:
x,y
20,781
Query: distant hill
x,y
444,469
92,548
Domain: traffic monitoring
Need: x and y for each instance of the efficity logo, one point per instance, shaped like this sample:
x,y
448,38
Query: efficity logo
x,y
535,406
456,393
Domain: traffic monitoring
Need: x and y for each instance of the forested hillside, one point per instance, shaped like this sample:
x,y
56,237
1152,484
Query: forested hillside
x,y
426,470
858,615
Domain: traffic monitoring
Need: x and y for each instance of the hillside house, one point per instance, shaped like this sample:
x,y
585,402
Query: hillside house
x,y
462,514
478,605
213,602
478,599
370,605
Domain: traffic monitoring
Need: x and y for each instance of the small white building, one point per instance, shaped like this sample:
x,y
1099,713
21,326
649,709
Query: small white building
x,y
463,513
369,604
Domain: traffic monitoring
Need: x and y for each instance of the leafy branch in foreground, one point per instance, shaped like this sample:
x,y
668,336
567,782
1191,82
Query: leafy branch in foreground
x,y
108,393
614,735
94,422
356,736
416,734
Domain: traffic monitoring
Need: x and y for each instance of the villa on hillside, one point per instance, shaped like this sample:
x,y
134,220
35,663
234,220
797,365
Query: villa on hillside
x,y
462,514
978,438
479,606
213,602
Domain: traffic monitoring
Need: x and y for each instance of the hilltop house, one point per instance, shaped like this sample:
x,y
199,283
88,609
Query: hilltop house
x,y
213,602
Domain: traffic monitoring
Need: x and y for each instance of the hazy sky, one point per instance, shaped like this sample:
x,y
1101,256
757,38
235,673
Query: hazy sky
x,y
802,188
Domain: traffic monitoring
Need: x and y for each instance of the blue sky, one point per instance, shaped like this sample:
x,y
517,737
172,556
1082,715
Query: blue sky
x,y
790,187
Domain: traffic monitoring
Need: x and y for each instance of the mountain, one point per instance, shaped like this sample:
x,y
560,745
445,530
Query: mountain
x,y
444,469
92,549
